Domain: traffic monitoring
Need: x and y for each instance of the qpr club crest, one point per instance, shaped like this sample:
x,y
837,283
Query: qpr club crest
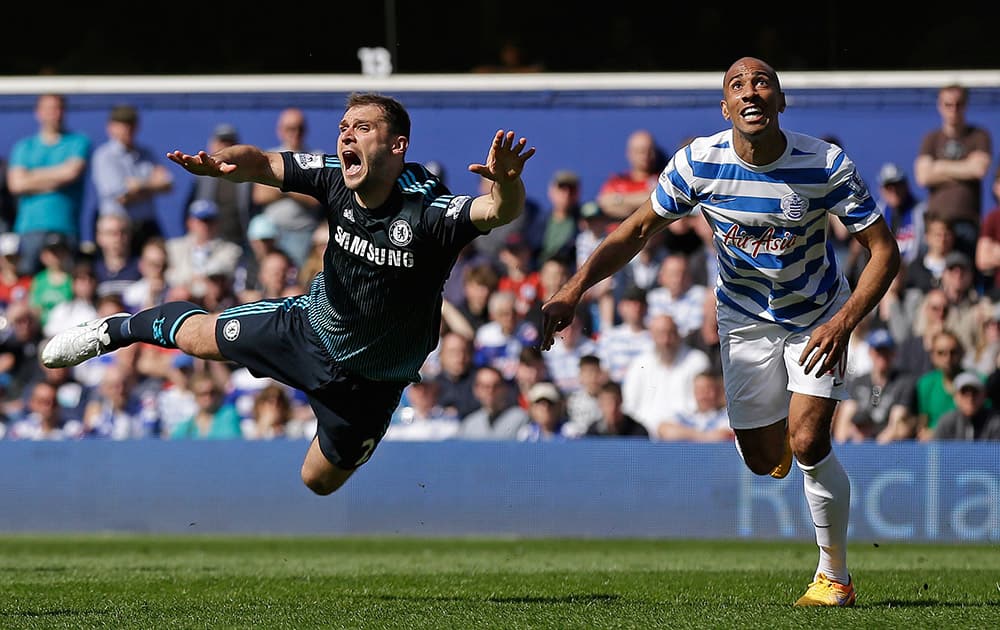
x,y
794,206
231,330
400,233
309,160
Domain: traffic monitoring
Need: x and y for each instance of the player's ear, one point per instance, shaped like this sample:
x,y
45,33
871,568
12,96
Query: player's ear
x,y
781,103
400,145
725,110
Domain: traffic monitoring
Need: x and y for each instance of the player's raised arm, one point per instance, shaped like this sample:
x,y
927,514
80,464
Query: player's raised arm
x,y
611,255
238,163
503,166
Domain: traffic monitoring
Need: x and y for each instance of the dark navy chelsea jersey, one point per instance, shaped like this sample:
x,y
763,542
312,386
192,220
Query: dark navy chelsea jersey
x,y
377,303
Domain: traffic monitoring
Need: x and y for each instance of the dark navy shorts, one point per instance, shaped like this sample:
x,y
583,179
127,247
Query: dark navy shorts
x,y
273,339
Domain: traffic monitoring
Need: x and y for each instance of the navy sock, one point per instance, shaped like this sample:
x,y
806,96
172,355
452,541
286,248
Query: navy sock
x,y
156,325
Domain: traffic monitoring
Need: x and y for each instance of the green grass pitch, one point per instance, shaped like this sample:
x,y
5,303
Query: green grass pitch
x,y
113,581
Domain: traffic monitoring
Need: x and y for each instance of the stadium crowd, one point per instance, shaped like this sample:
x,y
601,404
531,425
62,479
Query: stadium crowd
x,y
640,359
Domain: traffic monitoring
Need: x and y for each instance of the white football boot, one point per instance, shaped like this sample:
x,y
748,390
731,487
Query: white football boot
x,y
79,343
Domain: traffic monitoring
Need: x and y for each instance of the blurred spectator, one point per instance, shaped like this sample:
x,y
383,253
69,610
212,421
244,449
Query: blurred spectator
x,y
499,341
129,176
272,418
531,369
151,288
582,407
14,285
708,421
972,419
314,260
295,216
71,395
479,282
677,295
115,266
558,235
619,345
983,358
115,412
276,277
964,312
622,193
880,403
262,239
488,245
20,341
914,352
497,418
422,418
219,294
519,275
903,210
570,345
614,421
233,200
81,308
553,273
924,272
951,164
548,416
54,283
898,308
988,245
935,388
199,250
455,379
214,419
594,225
44,419
175,401
47,175
659,383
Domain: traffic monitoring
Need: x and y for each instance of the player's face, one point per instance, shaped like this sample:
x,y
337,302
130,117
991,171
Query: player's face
x,y
752,97
366,148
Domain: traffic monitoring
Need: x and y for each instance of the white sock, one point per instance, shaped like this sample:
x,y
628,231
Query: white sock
x,y
828,491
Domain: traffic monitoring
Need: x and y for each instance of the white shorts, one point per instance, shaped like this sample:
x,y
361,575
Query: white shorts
x,y
760,367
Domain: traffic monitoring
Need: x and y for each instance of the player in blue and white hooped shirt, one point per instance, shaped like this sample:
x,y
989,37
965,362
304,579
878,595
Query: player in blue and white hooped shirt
x,y
785,310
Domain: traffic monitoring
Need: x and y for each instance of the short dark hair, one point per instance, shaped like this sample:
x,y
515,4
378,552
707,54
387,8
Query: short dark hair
x,y
590,359
394,112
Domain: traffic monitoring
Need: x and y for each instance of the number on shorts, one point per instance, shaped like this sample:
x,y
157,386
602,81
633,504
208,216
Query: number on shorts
x,y
369,446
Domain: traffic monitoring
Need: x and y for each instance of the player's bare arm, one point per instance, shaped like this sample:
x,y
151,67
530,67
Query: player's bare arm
x,y
611,255
239,163
828,344
504,164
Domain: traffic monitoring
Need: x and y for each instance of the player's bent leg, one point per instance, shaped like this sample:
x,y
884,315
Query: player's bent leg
x,y
765,448
319,474
196,336
809,427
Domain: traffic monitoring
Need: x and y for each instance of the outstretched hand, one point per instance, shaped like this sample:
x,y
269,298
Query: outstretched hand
x,y
506,158
557,314
201,163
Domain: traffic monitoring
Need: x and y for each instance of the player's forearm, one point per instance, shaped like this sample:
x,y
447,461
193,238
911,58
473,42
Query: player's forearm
x,y
508,200
252,164
874,282
612,254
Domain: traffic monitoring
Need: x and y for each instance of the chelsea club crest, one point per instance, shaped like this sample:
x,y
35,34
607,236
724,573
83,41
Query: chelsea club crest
x,y
400,233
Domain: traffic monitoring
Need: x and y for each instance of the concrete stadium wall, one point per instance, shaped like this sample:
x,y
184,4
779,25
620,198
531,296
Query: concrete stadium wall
x,y
588,488
584,130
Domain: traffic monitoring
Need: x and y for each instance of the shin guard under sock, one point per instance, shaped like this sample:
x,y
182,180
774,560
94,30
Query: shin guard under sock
x,y
157,325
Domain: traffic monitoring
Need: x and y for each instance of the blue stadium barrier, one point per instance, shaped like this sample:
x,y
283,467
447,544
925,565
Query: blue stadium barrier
x,y
941,492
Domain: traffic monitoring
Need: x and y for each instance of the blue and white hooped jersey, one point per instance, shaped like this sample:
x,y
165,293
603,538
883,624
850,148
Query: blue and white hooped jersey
x,y
776,260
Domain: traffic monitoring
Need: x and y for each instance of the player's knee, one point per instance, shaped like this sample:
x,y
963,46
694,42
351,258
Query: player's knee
x,y
322,482
760,465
